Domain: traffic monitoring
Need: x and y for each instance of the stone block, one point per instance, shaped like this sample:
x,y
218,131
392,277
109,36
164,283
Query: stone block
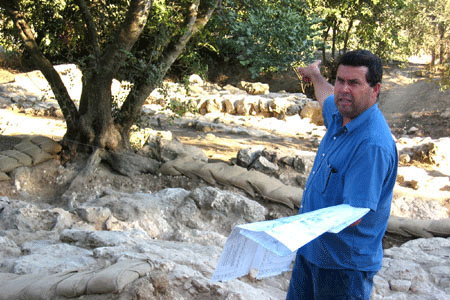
x,y
313,111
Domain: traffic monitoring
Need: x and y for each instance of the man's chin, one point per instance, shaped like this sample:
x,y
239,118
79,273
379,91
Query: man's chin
x,y
348,113
345,109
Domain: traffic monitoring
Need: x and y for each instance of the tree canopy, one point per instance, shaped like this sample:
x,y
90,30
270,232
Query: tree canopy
x,y
264,36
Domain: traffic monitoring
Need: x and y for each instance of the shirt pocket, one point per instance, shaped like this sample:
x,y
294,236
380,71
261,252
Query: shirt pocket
x,y
326,178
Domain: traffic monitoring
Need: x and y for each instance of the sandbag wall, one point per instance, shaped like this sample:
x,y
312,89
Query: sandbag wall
x,y
27,153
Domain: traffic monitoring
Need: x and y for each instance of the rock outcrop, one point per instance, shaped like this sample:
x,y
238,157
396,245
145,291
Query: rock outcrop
x,y
166,245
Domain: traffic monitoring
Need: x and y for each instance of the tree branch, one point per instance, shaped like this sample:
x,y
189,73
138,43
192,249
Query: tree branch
x,y
66,104
90,25
193,25
128,33
136,98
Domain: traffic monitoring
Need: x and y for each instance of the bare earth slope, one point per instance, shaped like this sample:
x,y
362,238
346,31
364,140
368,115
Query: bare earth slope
x,y
408,100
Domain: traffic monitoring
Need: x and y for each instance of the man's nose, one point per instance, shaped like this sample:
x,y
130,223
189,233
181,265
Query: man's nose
x,y
345,87
342,87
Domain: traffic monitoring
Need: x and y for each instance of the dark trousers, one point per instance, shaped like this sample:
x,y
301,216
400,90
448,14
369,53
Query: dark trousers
x,y
310,282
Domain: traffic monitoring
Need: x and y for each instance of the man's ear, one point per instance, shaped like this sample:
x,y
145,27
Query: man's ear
x,y
376,90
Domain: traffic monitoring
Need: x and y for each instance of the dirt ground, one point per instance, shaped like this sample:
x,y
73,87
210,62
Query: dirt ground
x,y
411,97
407,101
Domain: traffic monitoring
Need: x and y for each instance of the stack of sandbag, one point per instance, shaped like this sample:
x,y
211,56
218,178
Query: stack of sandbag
x,y
251,181
29,152
110,280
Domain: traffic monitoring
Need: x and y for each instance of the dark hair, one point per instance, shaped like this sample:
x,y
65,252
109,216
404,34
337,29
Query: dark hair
x,y
365,58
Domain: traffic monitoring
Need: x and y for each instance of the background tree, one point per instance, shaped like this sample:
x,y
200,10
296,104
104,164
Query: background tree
x,y
371,24
139,39
264,36
427,25
379,29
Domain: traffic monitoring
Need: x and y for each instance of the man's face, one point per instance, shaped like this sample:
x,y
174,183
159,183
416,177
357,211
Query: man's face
x,y
352,93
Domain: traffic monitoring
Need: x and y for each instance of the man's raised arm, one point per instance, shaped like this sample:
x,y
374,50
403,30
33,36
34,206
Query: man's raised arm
x,y
322,88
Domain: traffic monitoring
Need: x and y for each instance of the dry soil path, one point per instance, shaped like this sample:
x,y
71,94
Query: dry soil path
x,y
411,101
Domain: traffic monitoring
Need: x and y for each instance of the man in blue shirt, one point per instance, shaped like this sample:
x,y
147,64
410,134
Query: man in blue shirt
x,y
356,164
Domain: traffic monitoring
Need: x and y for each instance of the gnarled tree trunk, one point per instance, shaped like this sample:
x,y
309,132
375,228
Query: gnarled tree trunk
x,y
92,126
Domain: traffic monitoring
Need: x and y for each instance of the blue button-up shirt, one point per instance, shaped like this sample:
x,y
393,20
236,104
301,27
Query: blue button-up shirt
x,y
356,164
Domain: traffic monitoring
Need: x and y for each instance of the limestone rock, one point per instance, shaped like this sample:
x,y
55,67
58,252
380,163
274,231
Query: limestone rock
x,y
312,111
254,88
6,76
195,79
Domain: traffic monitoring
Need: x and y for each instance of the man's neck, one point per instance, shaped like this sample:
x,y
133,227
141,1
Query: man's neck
x,y
345,121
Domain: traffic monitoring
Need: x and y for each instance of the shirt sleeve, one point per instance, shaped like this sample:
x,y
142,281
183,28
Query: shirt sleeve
x,y
370,169
328,109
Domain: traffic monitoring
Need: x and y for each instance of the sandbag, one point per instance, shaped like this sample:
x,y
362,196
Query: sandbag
x,y
263,183
8,163
37,154
408,228
116,277
46,144
74,285
440,228
251,182
290,196
168,168
232,175
195,169
415,228
11,285
22,158
41,287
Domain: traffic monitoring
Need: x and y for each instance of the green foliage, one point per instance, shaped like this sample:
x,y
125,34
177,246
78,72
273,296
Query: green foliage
x,y
263,35
380,30
371,24
427,25
180,108
192,62
445,81
61,34
8,41
59,28
55,27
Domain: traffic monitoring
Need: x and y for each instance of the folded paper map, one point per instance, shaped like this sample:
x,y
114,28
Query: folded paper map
x,y
269,247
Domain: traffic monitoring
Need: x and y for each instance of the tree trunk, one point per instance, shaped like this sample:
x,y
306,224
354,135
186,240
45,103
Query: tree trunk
x,y
347,35
441,28
143,87
97,127
433,57
335,33
66,104
325,38
92,126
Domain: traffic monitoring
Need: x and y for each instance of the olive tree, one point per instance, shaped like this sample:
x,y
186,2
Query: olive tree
x,y
139,39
